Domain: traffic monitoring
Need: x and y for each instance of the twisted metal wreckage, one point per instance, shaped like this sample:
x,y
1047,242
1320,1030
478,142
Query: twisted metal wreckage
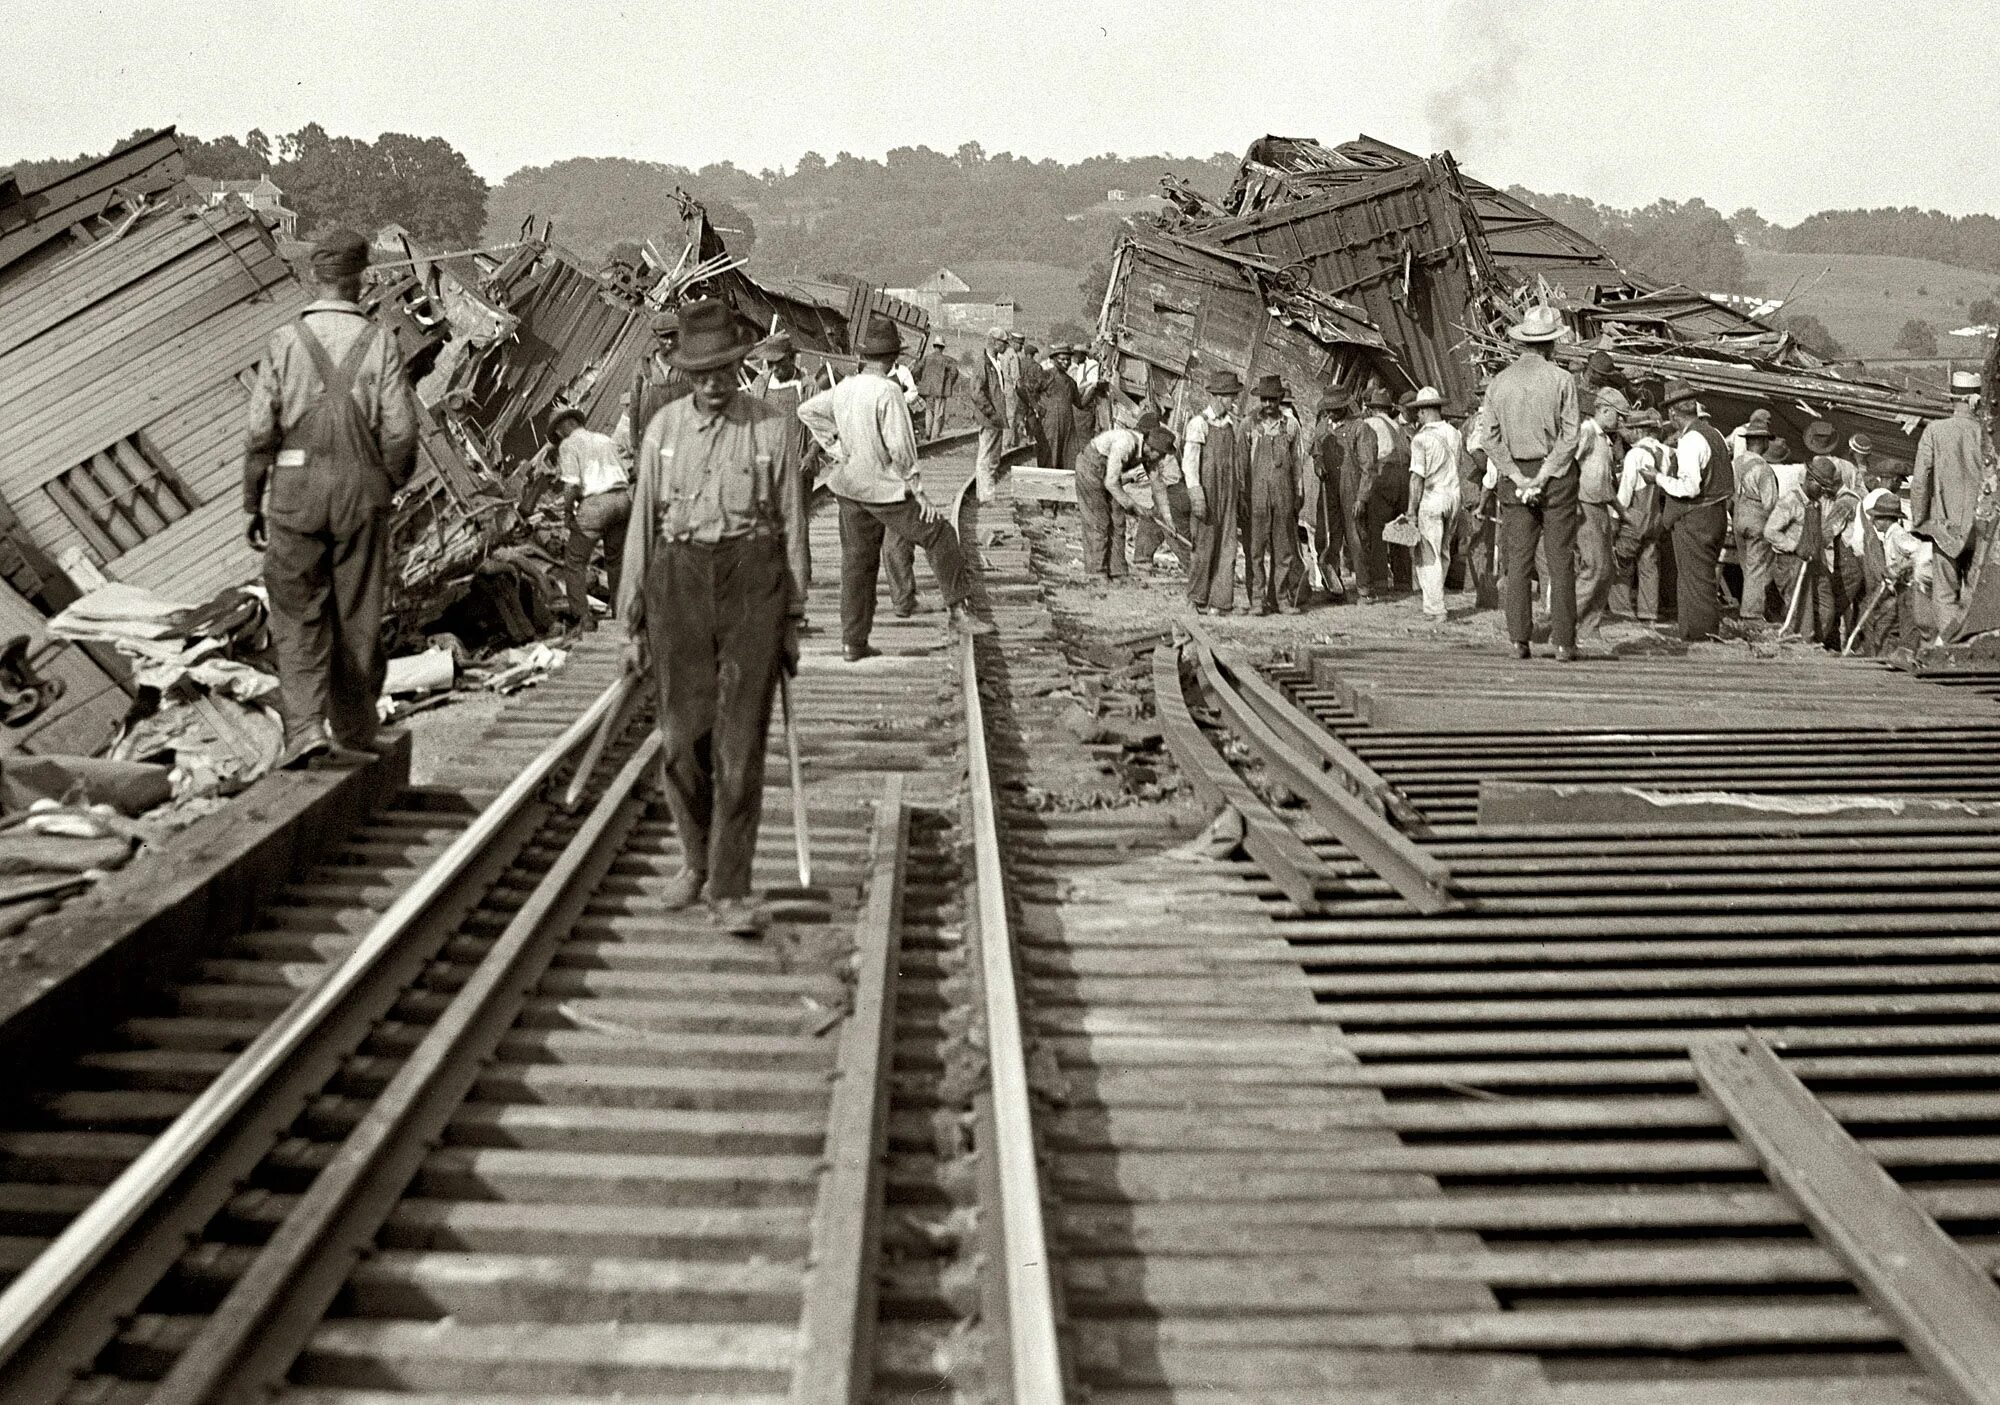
x,y
132,316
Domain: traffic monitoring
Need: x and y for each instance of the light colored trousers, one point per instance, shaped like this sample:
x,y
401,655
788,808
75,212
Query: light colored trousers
x,y
988,462
1436,518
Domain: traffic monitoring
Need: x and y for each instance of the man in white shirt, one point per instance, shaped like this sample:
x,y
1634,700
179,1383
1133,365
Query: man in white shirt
x,y
1637,546
1433,505
597,506
1597,490
1698,484
863,424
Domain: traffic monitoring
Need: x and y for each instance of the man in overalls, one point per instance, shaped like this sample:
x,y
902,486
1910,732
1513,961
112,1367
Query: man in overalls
x,y
1213,466
715,587
1276,458
333,434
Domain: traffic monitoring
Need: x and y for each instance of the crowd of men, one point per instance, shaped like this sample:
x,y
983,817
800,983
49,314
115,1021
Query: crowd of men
x,y
1601,493
1581,498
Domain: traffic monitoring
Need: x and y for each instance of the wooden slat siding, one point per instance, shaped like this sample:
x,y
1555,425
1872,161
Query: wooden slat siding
x,y
151,163
32,305
165,286
199,555
165,320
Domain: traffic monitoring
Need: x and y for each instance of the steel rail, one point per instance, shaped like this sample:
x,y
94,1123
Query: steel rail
x,y
88,1242
246,1346
1035,1363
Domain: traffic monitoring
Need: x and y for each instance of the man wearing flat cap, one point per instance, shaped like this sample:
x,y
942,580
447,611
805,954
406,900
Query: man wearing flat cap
x,y
863,425
1757,492
1954,459
714,590
1530,435
1802,542
333,435
657,381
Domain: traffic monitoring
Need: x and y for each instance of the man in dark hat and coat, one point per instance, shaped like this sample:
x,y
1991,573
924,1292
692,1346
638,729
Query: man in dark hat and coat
x,y
715,588
1358,450
1698,483
937,376
1319,498
1060,408
333,434
863,425
1530,434
1275,444
1215,467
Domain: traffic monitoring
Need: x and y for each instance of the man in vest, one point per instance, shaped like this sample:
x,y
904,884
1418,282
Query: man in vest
x,y
333,434
1636,549
597,506
1114,473
1954,457
1214,467
1276,459
991,408
1392,475
1530,433
714,590
1358,450
1699,484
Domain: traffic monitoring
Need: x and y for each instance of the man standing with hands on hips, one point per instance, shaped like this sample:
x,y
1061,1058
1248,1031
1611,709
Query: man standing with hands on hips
x,y
333,435
714,588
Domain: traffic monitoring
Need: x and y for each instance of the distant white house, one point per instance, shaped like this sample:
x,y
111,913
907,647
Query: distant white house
x,y
936,285
1116,197
953,305
261,195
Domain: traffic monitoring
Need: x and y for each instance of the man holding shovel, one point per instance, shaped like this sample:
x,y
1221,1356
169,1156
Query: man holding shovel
x,y
714,588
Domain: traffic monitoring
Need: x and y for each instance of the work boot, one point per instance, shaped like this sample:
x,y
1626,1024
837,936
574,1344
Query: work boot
x,y
303,745
1521,649
967,623
741,917
683,889
1565,654
856,653
907,610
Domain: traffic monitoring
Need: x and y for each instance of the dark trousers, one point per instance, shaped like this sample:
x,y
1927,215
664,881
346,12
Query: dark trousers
x,y
1474,548
899,564
1272,573
1549,521
599,517
715,617
1103,527
326,624
1212,573
1697,558
1366,565
863,525
1170,501
1385,505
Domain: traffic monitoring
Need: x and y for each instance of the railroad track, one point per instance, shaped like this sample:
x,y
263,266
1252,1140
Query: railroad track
x,y
479,1121
1629,1103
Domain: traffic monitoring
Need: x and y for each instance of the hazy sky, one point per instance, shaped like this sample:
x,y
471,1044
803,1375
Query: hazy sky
x,y
1787,105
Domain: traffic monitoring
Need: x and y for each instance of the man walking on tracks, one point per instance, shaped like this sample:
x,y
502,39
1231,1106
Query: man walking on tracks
x,y
1215,467
597,506
715,587
333,433
864,427
1531,427
1276,459
1695,514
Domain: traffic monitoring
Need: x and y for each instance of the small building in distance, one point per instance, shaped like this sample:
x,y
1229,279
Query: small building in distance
x,y
261,195
954,306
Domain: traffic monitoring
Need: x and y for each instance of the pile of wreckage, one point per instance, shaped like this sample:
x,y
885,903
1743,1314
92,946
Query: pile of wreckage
x,y
1361,262
132,317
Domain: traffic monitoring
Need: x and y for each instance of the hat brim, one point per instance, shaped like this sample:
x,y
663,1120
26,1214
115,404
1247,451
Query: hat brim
x,y
563,417
1553,334
1435,402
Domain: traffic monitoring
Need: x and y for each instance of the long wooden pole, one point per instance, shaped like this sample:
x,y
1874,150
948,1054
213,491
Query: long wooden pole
x,y
801,841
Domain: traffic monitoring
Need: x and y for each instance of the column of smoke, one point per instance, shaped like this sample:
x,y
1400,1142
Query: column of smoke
x,y
1474,112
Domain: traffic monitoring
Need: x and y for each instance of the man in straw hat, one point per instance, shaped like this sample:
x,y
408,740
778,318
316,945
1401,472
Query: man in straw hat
x,y
1756,494
1954,457
863,424
1275,457
333,434
1699,483
1214,465
715,589
1433,489
1597,466
1531,422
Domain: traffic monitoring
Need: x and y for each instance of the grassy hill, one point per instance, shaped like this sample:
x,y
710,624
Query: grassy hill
x,y
1865,298
1044,293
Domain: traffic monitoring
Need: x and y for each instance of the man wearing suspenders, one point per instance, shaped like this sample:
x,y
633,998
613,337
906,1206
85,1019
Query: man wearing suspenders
x,y
1698,485
333,434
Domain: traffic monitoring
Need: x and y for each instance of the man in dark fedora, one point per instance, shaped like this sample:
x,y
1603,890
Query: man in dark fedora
x,y
863,425
1530,436
1390,486
597,506
333,434
1215,468
715,588
1699,482
1276,459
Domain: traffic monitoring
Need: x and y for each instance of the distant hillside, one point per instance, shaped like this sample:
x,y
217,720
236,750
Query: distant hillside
x,y
1866,298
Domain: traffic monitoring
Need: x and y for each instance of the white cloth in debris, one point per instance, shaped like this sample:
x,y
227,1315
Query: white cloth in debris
x,y
591,461
120,611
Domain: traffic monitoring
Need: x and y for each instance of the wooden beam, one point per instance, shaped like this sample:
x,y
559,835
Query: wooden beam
x,y
1943,1305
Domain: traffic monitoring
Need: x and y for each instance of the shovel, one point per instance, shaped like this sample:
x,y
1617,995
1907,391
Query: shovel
x,y
801,840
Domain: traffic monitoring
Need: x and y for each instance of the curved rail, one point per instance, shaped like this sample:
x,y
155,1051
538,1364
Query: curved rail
x,y
1034,1352
39,1295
